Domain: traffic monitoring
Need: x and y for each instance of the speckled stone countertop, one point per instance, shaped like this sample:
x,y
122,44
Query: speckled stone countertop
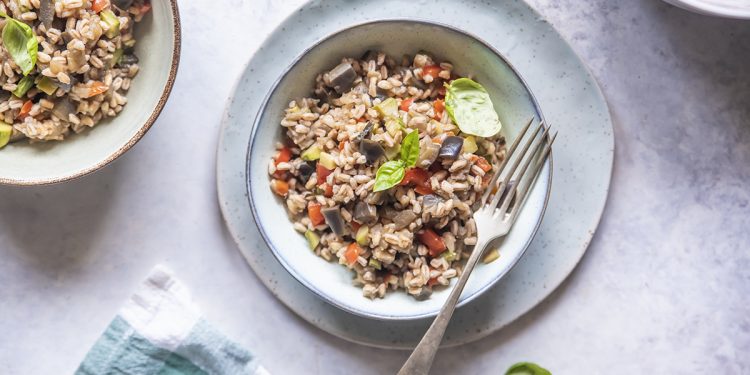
x,y
663,288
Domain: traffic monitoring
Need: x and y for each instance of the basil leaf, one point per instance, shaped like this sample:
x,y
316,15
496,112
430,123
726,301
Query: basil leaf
x,y
410,149
389,175
21,43
23,86
527,368
470,107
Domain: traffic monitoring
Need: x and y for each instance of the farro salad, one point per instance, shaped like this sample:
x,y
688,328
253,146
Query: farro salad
x,y
64,65
383,166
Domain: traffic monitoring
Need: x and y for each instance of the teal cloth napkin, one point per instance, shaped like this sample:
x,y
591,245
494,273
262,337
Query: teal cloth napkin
x,y
161,331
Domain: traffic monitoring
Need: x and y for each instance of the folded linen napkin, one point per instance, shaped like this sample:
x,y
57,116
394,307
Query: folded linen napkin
x,y
160,331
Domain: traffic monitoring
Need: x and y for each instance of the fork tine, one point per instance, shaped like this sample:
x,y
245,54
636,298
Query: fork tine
x,y
516,161
512,149
534,174
527,157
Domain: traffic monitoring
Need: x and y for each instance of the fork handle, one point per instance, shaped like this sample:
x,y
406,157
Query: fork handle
x,y
421,358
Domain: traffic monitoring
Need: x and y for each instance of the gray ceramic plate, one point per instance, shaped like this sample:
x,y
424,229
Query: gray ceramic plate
x,y
470,57
565,90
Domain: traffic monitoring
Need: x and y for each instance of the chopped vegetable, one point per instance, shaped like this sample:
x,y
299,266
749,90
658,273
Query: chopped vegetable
x,y
313,212
365,213
328,190
470,107
63,108
388,108
439,107
145,8
363,236
491,256
405,104
47,12
94,88
322,173
342,77
423,294
449,256
46,85
374,263
416,176
484,164
305,170
334,220
280,187
352,253
122,4
430,200
433,241
431,70
21,43
428,152
99,5
25,109
371,150
470,145
5,132
404,218
312,153
23,86
366,131
327,160
312,239
392,152
116,57
527,368
451,147
113,23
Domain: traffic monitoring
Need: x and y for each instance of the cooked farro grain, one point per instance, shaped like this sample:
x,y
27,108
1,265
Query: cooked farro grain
x,y
84,65
414,235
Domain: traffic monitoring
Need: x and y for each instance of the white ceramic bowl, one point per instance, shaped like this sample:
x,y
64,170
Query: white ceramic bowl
x,y
158,50
720,8
470,56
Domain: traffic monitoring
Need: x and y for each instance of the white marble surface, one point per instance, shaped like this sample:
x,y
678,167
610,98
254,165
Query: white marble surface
x,y
663,288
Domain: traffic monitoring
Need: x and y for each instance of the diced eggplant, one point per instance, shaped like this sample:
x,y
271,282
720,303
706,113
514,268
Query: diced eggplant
x,y
334,220
375,198
66,87
365,133
451,147
324,95
46,13
342,77
381,94
360,88
63,108
305,171
67,36
430,200
370,55
128,60
365,213
428,152
122,4
404,218
371,150
424,294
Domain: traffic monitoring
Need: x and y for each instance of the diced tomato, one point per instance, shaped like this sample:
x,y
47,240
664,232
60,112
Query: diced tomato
x,y
281,175
352,253
96,88
25,109
99,5
441,91
439,107
280,187
431,70
355,225
420,178
484,164
361,119
313,211
424,189
283,156
433,241
432,281
322,172
436,167
342,145
328,190
405,104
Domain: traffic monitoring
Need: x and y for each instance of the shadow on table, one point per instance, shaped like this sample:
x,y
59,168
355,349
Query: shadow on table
x,y
52,229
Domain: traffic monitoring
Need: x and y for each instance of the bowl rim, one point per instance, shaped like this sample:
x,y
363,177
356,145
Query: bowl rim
x,y
177,40
255,210
709,9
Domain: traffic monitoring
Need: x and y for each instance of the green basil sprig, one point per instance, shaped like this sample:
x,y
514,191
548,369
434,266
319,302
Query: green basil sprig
x,y
527,368
392,172
470,107
21,43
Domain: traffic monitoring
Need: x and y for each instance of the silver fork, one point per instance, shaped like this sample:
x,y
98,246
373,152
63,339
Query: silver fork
x,y
494,219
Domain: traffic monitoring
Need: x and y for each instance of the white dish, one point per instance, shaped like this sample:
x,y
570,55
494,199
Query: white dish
x,y
721,8
584,149
331,281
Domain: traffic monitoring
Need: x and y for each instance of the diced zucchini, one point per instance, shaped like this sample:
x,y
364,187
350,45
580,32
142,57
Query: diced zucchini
x,y
312,153
374,263
47,85
312,239
393,127
449,255
5,132
491,256
116,57
392,152
112,22
470,145
327,161
363,235
388,108
23,86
